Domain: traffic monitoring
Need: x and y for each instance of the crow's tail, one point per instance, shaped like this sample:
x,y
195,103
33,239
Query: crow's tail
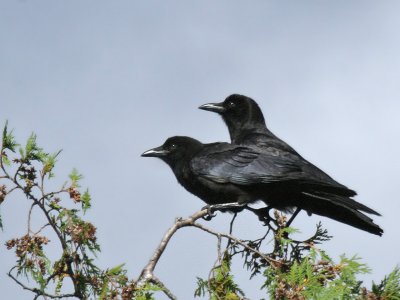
x,y
347,202
341,209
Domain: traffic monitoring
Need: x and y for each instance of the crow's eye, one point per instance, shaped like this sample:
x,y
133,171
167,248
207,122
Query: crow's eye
x,y
173,146
231,104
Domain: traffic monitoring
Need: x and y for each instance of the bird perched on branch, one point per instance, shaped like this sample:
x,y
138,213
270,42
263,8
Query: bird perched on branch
x,y
233,176
321,195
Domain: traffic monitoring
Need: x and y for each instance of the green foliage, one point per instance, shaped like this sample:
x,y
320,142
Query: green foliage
x,y
302,271
8,140
299,270
49,161
86,201
7,143
221,284
75,178
28,171
389,288
146,292
316,277
31,151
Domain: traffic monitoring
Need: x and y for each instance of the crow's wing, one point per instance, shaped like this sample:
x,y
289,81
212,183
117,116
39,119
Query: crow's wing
x,y
262,137
243,166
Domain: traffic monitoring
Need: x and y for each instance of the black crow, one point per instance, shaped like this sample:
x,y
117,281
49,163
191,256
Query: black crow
x,y
226,174
246,125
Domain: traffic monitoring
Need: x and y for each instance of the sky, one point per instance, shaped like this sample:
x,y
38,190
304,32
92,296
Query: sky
x,y
107,80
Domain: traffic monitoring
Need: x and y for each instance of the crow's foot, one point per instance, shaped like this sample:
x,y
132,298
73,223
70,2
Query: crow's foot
x,y
211,209
263,214
210,213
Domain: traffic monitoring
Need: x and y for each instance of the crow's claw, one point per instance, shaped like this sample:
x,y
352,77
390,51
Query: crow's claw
x,y
263,214
210,213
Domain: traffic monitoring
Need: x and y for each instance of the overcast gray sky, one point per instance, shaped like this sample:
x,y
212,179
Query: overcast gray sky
x,y
106,80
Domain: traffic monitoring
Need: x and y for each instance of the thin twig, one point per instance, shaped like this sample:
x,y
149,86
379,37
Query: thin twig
x,y
41,228
29,217
217,261
160,284
11,190
37,291
147,271
51,194
2,153
237,241
16,172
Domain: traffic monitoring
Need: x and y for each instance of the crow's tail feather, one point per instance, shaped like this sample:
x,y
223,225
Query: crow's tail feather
x,y
347,202
341,209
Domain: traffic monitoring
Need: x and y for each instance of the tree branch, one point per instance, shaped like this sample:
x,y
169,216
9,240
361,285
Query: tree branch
x,y
29,217
147,274
237,241
160,284
36,291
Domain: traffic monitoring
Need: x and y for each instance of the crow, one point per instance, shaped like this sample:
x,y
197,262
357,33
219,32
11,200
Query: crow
x,y
246,125
228,175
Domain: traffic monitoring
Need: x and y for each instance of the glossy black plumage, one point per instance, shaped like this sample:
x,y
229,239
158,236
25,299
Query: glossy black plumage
x,y
246,125
221,173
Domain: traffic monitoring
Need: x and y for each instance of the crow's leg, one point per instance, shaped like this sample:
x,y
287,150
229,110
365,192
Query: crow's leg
x,y
210,214
231,223
231,230
225,206
296,212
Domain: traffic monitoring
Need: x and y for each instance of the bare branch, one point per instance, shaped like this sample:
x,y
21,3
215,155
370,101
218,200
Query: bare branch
x,y
29,217
41,228
237,241
217,261
11,190
37,291
166,291
147,272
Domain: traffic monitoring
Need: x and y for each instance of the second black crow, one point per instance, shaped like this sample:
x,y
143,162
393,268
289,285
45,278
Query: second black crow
x,y
247,127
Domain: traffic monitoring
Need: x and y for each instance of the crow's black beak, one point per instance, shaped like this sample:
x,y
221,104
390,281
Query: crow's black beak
x,y
215,107
155,152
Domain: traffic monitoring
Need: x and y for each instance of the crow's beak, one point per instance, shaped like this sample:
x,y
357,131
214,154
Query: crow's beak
x,y
215,107
155,152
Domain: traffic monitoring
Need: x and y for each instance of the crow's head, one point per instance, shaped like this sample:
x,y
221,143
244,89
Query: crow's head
x,y
175,150
238,112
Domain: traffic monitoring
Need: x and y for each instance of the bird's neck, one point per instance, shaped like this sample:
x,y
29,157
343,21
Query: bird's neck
x,y
181,165
239,132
